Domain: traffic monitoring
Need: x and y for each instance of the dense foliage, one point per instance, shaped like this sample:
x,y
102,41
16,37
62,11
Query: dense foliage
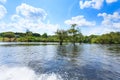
x,y
9,35
111,38
61,35
72,35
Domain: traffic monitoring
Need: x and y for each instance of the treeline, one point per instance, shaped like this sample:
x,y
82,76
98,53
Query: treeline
x,y
26,37
109,38
72,35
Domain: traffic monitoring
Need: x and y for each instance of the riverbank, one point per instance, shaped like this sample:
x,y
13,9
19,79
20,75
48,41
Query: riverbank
x,y
110,38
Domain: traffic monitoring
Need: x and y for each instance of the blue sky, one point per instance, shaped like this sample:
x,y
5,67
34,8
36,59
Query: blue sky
x,y
92,16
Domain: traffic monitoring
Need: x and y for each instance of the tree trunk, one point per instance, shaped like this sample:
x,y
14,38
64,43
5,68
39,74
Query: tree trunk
x,y
61,42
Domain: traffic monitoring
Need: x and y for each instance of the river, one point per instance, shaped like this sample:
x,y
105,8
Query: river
x,y
50,61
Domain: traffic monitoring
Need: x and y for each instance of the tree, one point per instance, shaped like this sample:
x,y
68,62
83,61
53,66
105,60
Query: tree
x,y
29,33
36,34
110,38
74,33
2,35
9,35
61,34
79,36
45,35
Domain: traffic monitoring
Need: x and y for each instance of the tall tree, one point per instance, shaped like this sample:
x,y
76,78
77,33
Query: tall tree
x,y
29,35
62,35
74,33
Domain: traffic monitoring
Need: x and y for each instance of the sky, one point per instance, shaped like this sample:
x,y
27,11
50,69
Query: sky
x,y
46,16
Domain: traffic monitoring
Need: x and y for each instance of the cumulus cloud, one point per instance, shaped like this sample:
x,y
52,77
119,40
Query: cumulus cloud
x,y
31,12
111,20
3,1
110,23
99,30
29,17
111,1
22,24
3,11
41,28
80,21
96,4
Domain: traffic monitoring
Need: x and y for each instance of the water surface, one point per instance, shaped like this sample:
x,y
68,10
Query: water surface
x,y
49,61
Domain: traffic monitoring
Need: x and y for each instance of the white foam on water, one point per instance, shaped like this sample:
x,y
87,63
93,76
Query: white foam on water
x,y
50,77
24,73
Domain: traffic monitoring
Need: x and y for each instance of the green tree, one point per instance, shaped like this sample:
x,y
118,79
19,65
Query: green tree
x,y
45,35
36,34
74,33
79,36
62,35
110,38
2,35
9,35
29,35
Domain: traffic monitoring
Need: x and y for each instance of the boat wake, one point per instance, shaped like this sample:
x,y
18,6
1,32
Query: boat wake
x,y
24,73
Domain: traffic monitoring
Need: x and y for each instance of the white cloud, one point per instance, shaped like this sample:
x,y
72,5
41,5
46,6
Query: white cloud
x,y
31,12
98,30
15,17
3,1
3,11
38,27
111,20
22,24
111,1
96,4
80,21
110,23
28,17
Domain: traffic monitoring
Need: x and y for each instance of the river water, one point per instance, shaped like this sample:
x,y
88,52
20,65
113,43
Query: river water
x,y
50,61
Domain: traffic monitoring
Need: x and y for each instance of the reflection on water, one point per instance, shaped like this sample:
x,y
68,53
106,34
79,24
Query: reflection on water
x,y
54,62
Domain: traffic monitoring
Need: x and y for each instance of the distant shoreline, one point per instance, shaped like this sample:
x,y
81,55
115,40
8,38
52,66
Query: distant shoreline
x,y
109,38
